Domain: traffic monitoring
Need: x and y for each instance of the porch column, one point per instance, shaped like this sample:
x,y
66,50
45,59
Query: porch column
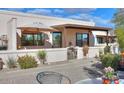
x,y
19,35
64,37
95,40
12,34
91,38
107,41
51,38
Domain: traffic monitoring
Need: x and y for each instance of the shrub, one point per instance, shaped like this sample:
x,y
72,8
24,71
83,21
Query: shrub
x,y
111,60
27,62
100,53
107,49
116,60
107,60
42,55
11,62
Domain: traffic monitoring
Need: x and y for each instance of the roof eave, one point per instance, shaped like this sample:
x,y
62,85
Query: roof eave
x,y
85,27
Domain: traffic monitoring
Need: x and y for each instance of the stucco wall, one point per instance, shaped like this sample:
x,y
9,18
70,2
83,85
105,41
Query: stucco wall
x,y
93,51
53,55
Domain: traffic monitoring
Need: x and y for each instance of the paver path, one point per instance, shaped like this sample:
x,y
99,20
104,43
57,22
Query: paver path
x,y
73,69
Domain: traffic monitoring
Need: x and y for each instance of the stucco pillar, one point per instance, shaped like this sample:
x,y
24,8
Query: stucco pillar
x,y
91,39
64,37
95,40
107,39
12,34
51,38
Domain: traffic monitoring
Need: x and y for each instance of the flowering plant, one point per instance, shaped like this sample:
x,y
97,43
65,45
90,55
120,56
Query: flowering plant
x,y
109,72
110,77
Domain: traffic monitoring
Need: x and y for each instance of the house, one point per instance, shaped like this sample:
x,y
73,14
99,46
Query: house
x,y
30,31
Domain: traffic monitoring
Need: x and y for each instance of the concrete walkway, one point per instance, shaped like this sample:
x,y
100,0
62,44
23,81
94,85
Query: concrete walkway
x,y
73,69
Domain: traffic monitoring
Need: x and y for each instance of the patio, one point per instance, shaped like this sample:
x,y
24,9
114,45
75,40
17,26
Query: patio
x,y
73,69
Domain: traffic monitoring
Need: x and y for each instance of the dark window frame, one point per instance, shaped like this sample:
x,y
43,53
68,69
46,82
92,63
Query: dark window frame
x,y
60,38
81,38
33,41
100,40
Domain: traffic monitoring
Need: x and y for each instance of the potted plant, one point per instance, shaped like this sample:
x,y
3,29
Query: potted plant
x,y
122,53
42,56
109,76
85,49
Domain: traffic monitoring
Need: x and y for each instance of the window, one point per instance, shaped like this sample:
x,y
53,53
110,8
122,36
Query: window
x,y
81,39
57,39
32,39
100,40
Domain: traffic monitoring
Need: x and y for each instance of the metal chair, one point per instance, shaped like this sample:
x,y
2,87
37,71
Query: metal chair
x,y
49,77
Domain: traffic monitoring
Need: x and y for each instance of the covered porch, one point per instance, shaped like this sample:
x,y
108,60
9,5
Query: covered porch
x,y
38,36
35,36
80,34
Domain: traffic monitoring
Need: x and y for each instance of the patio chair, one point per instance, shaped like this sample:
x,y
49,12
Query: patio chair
x,y
49,77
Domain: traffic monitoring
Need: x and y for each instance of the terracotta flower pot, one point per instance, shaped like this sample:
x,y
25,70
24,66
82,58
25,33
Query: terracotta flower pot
x,y
122,53
106,81
110,81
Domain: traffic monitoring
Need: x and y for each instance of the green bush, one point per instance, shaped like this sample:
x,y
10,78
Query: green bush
x,y
107,49
27,62
116,60
11,62
42,55
100,53
111,60
107,59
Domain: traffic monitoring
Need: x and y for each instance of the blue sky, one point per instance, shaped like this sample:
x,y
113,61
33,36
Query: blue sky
x,y
101,16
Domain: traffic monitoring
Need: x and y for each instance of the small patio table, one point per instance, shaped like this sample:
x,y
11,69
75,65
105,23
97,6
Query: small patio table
x,y
95,81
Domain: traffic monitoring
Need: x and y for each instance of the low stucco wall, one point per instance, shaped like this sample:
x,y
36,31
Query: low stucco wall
x,y
53,55
93,51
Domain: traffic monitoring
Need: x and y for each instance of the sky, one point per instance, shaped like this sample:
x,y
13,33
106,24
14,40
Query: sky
x,y
101,16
